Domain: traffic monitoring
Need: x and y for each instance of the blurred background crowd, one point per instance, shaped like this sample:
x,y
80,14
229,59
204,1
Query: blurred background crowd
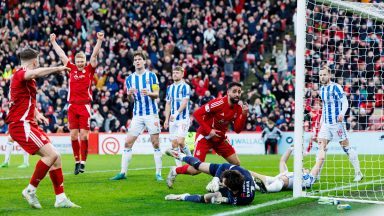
x,y
215,41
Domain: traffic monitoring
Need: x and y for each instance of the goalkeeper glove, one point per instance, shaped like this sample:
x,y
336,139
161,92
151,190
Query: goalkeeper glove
x,y
214,185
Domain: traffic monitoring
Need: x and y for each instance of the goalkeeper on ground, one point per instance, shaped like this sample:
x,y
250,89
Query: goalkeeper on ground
x,y
231,184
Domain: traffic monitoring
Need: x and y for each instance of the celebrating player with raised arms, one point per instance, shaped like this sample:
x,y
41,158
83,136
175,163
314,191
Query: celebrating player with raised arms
x,y
335,106
143,89
24,130
214,119
177,111
79,98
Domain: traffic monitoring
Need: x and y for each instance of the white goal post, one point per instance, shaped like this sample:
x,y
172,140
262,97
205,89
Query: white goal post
x,y
348,37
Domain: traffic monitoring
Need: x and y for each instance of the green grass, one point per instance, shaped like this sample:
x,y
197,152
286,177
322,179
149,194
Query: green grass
x,y
140,194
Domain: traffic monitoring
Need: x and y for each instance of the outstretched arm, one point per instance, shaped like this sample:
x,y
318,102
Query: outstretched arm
x,y
283,160
96,50
58,49
40,72
319,162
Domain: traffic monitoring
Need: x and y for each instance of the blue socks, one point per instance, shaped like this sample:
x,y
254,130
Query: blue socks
x,y
195,198
192,161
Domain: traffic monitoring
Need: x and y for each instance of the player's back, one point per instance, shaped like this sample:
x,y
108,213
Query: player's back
x,y
247,194
219,114
331,95
79,91
22,98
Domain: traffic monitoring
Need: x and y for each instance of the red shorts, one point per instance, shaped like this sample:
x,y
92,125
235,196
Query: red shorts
x,y
78,116
202,147
29,136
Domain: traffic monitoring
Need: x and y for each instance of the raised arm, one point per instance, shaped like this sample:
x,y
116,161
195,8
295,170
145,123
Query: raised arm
x,y
241,119
60,52
40,72
284,158
96,50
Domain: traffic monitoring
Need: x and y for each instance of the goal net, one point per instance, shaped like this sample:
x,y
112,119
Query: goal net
x,y
348,37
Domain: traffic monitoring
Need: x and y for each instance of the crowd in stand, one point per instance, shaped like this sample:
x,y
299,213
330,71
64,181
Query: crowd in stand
x,y
353,49
212,45
215,41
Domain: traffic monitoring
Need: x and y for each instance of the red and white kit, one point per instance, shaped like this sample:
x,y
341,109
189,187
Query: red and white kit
x,y
21,117
79,96
217,114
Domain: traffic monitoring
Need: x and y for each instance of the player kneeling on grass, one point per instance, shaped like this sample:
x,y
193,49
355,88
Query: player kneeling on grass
x,y
284,180
24,130
231,184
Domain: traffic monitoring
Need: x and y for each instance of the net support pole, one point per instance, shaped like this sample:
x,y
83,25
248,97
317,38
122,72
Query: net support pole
x,y
299,98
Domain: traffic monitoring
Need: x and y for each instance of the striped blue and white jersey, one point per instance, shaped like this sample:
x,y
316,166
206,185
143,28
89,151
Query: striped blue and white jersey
x,y
332,96
144,105
176,93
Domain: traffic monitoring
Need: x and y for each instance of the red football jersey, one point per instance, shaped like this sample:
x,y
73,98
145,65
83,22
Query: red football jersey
x,y
22,98
315,119
218,114
79,91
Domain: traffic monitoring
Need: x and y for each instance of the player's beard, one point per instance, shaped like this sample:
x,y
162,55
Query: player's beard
x,y
325,81
234,100
176,79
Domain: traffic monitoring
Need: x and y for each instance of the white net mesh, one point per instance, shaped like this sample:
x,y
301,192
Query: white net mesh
x,y
348,37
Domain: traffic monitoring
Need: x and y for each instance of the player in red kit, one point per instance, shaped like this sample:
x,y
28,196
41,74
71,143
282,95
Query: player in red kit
x,y
25,131
214,119
79,98
315,124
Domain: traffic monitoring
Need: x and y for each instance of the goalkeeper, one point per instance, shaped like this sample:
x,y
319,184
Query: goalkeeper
x,y
231,184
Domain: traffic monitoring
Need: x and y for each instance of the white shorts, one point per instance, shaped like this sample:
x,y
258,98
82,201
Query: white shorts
x,y
178,129
336,132
139,123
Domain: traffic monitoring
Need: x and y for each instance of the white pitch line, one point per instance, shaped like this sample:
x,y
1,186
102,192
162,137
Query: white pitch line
x,y
351,185
242,210
274,202
71,173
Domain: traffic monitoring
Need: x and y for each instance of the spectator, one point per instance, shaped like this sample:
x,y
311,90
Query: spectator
x,y
3,127
207,97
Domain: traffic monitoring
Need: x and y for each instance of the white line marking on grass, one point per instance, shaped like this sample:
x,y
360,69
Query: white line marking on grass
x,y
351,185
242,210
274,202
92,171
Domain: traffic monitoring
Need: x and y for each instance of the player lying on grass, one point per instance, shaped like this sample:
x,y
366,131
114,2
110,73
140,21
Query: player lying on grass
x,y
284,180
231,184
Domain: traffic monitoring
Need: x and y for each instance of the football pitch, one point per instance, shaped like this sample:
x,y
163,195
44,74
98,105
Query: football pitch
x,y
140,194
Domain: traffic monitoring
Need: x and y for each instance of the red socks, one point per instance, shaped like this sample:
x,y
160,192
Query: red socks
x,y
182,169
57,180
41,170
76,150
84,150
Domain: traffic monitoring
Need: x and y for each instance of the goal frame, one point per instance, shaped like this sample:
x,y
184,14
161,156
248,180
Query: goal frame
x,y
300,84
